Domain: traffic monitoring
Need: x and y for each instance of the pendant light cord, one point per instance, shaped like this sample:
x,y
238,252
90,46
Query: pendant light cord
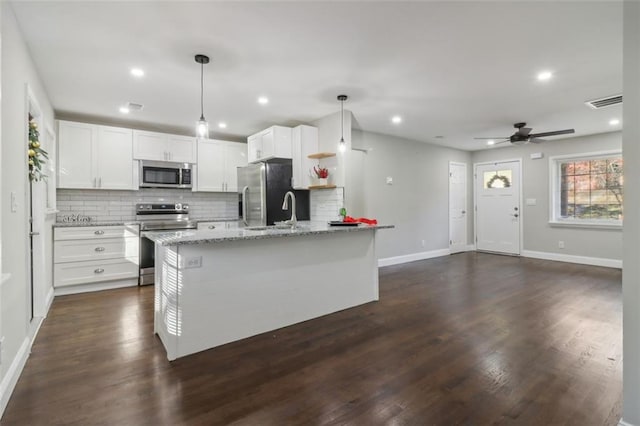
x,y
342,119
201,91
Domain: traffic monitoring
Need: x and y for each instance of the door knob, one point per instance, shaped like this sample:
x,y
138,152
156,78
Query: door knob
x,y
515,215
31,234
464,212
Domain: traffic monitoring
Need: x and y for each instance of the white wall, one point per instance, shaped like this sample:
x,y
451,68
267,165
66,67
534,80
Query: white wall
x,y
18,70
538,235
631,257
417,202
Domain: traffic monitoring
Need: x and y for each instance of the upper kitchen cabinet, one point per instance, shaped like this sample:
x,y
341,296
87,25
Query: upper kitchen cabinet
x,y
163,147
92,156
304,143
274,142
217,165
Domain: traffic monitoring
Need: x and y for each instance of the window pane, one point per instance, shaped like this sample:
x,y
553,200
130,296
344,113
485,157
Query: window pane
x,y
582,167
599,181
583,183
599,211
497,179
568,183
567,169
598,166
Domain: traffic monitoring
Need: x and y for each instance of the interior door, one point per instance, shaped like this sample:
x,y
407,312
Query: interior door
x,y
457,207
498,211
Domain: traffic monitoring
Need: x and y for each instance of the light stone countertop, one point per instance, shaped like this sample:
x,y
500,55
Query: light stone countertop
x,y
174,238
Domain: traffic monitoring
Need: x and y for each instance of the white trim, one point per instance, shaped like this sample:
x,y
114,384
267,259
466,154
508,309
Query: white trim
x,y
614,226
554,191
470,247
395,260
521,200
583,260
86,288
623,423
48,301
12,375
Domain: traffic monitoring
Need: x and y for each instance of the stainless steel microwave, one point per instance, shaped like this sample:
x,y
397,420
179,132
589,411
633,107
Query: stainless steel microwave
x,y
161,174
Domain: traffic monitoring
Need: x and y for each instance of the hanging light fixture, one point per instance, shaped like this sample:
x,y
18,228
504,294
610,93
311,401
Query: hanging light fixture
x,y
342,146
202,127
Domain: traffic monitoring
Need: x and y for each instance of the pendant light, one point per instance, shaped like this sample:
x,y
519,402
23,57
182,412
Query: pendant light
x,y
342,146
202,127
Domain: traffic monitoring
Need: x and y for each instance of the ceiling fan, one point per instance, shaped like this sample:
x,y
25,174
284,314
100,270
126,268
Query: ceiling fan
x,y
523,135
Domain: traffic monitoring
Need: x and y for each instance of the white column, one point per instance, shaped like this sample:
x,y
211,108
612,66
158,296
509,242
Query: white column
x,y
631,233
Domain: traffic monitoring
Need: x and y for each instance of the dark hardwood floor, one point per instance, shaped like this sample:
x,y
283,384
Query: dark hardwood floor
x,y
470,339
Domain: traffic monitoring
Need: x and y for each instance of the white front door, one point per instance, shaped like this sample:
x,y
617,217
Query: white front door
x,y
498,211
457,207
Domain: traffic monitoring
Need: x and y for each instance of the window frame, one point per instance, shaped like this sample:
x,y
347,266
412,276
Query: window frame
x,y
555,186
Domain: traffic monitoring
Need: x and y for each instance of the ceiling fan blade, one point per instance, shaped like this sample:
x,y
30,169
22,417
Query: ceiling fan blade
x,y
537,140
524,131
501,142
557,132
500,137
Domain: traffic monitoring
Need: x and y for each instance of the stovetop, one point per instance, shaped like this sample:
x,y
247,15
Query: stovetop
x,y
163,216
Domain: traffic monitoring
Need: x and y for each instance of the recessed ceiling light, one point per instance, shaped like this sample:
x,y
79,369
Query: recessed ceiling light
x,y
491,142
222,125
396,119
545,75
137,72
124,110
263,100
614,122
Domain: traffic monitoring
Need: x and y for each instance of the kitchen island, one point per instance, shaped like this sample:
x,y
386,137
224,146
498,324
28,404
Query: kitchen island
x,y
217,286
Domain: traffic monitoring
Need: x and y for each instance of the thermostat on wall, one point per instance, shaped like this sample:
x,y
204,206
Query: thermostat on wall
x,y
536,155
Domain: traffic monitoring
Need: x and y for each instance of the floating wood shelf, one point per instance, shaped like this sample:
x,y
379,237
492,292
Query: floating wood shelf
x,y
322,186
320,155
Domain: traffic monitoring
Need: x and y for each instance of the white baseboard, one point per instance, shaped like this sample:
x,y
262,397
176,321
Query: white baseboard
x,y
48,301
583,260
388,261
623,423
12,375
470,247
86,288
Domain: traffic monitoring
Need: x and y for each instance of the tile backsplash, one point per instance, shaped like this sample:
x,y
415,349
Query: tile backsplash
x,y
326,204
118,206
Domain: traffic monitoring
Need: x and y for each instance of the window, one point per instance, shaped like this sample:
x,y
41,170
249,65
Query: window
x,y
497,179
587,189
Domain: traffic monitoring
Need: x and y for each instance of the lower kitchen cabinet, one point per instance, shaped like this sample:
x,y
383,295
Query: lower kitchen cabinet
x,y
95,254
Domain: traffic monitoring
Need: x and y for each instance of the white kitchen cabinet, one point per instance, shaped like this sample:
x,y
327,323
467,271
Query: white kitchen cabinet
x,y
163,147
304,141
217,165
92,156
94,254
274,142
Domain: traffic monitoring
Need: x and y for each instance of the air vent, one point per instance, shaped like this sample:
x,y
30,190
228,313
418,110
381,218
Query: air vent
x,y
134,106
605,102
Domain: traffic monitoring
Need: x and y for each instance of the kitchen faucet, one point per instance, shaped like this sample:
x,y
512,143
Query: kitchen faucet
x,y
285,205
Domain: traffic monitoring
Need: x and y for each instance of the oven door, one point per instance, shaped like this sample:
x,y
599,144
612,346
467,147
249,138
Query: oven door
x,y
147,260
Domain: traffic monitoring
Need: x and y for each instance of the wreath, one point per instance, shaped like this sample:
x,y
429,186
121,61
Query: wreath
x,y
504,179
36,153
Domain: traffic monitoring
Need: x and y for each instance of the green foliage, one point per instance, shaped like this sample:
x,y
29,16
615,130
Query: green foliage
x,y
36,155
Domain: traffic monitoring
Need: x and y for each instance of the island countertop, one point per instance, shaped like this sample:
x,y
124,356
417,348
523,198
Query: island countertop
x,y
174,238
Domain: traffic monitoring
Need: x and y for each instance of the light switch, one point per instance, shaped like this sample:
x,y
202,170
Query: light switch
x,y
536,155
389,180
531,201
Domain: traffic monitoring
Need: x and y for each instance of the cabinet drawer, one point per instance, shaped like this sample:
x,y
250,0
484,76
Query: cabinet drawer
x,y
73,273
103,248
93,232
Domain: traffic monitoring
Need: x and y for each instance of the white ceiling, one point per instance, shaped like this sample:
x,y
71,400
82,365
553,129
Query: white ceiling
x,y
452,69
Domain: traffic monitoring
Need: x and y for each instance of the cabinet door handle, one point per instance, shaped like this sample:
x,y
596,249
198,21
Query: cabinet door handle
x,y
100,232
98,271
212,227
99,249
99,182
94,182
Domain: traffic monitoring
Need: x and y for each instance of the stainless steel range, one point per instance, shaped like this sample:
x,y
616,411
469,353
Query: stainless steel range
x,y
158,217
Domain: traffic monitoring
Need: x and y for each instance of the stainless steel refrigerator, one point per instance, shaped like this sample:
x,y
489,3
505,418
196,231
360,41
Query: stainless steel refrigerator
x,y
262,187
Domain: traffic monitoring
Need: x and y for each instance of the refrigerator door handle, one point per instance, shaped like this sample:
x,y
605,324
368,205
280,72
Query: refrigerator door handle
x,y
244,205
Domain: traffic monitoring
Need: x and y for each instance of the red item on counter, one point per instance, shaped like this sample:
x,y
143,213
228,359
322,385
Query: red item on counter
x,y
350,219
